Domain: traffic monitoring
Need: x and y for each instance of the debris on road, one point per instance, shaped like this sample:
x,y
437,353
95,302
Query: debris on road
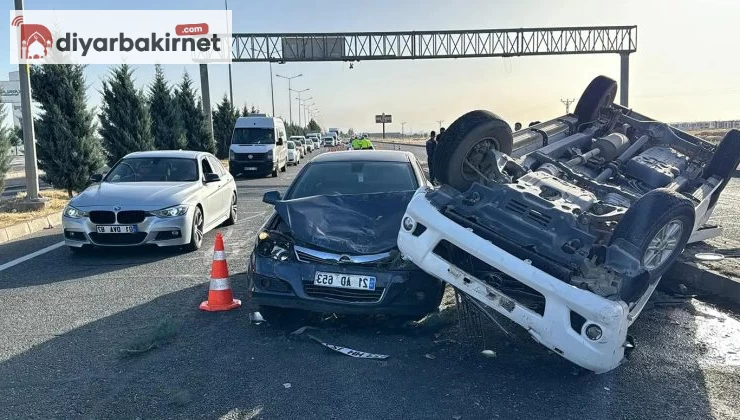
x,y
489,353
256,318
349,352
430,356
287,385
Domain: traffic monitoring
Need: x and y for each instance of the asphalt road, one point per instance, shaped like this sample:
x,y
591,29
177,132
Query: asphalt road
x,y
117,334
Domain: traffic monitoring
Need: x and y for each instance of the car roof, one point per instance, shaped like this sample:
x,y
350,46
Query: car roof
x,y
185,154
364,155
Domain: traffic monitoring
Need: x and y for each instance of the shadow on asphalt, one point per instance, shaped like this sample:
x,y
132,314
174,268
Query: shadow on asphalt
x,y
217,364
89,262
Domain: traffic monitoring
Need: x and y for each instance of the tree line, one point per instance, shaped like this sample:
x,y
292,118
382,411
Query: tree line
x,y
71,145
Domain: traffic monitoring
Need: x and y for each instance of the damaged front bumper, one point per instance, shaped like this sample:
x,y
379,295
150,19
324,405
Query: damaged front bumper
x,y
596,341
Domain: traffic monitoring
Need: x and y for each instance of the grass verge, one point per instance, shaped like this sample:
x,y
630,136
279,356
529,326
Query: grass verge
x,y
9,216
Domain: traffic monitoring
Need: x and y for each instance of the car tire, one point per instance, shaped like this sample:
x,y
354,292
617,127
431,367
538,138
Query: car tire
x,y
724,162
470,134
233,212
196,232
283,316
656,214
598,94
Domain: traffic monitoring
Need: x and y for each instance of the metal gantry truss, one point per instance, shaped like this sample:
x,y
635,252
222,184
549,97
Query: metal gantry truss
x,y
433,44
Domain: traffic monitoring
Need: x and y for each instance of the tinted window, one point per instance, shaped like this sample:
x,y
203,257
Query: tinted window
x,y
291,145
154,170
253,136
327,178
216,166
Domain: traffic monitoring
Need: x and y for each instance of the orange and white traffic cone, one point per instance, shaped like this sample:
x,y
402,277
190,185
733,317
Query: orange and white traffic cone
x,y
220,297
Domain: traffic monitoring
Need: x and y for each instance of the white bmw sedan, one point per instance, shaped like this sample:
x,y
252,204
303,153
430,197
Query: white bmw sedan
x,y
162,198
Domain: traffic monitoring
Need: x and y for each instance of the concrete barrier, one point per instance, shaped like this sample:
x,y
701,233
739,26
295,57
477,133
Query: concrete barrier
x,y
17,231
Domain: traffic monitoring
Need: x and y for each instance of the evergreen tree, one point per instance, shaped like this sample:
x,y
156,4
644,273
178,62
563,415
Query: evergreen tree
x,y
167,125
124,120
6,142
68,149
245,111
197,134
313,126
254,110
224,118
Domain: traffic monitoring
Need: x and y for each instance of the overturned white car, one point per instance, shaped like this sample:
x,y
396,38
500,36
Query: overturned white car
x,y
570,239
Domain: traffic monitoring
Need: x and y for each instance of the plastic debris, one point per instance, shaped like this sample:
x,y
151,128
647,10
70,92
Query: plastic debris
x,y
606,388
256,318
350,352
430,356
287,385
303,329
709,256
489,353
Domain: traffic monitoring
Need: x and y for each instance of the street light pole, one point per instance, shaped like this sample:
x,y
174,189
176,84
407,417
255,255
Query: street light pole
x,y
29,143
272,91
402,125
290,101
299,92
231,85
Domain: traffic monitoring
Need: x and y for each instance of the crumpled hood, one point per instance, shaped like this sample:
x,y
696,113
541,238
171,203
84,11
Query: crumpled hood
x,y
347,224
144,194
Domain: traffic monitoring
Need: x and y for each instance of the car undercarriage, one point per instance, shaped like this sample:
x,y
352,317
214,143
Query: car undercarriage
x,y
567,226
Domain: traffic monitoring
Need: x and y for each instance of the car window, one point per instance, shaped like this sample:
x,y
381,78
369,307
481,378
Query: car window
x,y
154,169
216,165
291,145
206,167
327,178
253,135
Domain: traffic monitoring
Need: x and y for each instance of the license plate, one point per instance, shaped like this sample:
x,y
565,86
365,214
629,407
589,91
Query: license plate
x,y
344,281
250,168
116,229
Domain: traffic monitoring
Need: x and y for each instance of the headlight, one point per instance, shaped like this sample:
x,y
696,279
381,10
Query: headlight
x,y
274,245
231,155
269,155
173,211
74,212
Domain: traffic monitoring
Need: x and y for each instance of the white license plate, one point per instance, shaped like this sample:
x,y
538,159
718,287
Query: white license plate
x,y
250,168
116,229
344,281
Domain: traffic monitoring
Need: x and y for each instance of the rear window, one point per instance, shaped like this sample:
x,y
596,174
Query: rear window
x,y
253,135
327,178
291,145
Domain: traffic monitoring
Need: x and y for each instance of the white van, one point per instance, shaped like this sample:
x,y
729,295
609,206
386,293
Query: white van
x,y
258,146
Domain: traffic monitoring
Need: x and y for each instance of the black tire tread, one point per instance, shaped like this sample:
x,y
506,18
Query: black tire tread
x,y
592,98
457,132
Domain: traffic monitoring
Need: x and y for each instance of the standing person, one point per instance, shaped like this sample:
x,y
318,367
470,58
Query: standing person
x,y
431,145
439,136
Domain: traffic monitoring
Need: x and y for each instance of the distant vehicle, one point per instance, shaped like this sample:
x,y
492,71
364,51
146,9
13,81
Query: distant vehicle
x,y
294,156
353,267
315,135
329,141
309,144
258,146
316,142
162,198
365,136
299,144
333,131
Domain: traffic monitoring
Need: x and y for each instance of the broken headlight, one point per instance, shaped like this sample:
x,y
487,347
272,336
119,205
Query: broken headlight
x,y
274,245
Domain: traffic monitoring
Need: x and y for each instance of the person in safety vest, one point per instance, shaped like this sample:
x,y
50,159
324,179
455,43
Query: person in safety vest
x,y
366,143
356,143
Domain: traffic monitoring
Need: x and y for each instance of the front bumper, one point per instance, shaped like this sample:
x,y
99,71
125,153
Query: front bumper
x,y
152,231
553,329
255,168
289,284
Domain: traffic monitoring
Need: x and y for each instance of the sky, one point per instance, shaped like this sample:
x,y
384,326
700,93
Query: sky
x,y
685,68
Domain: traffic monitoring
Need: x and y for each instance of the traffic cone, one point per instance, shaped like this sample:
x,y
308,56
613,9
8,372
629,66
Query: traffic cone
x,y
220,297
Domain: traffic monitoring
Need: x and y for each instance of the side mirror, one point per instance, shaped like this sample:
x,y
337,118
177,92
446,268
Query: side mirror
x,y
212,178
279,141
96,177
271,197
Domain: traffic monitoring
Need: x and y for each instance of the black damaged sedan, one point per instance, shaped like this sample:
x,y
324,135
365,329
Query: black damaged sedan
x,y
330,244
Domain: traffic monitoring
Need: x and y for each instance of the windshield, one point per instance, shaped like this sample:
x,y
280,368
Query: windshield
x,y
157,169
253,136
329,178
291,145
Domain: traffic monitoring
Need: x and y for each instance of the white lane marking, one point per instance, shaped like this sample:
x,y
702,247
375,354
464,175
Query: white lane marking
x,y
30,256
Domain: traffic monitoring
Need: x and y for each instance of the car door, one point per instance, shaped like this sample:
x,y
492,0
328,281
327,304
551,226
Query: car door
x,y
211,200
224,192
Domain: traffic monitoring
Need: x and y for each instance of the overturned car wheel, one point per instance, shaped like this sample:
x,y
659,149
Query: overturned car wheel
x,y
598,94
464,156
659,225
724,162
